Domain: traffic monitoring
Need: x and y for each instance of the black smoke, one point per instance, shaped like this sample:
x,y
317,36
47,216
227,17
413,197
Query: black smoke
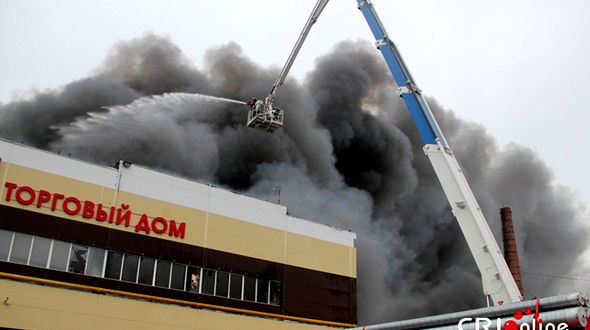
x,y
349,156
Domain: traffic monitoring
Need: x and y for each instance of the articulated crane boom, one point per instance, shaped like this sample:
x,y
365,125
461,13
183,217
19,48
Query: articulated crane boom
x,y
498,282
263,116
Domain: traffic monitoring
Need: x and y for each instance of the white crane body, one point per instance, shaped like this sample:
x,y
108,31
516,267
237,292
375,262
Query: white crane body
x,y
497,279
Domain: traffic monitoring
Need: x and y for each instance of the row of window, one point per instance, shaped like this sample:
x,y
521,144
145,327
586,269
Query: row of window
x,y
76,258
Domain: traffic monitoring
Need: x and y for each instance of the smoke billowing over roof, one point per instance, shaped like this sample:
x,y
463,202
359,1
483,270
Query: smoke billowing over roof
x,y
348,155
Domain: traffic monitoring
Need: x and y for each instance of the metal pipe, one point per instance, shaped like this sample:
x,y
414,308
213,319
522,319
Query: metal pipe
x,y
506,310
573,317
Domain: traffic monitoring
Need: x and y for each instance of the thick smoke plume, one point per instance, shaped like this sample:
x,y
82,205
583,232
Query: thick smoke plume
x,y
349,155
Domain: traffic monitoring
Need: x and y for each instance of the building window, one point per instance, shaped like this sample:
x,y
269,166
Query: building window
x,y
208,281
163,270
222,284
194,279
113,265
177,279
80,259
95,262
235,286
40,251
262,291
77,258
250,288
146,271
60,252
130,265
275,293
21,248
5,244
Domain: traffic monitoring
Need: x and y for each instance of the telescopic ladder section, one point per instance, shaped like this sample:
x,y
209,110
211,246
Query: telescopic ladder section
x,y
264,116
497,280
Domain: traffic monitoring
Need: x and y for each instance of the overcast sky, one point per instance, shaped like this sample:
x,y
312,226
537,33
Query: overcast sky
x,y
519,68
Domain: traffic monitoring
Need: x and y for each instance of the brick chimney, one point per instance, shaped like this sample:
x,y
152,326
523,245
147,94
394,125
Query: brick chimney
x,y
510,252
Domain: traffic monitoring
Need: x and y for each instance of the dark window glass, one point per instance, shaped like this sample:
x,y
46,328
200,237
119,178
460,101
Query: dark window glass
x,y
130,268
60,252
95,261
177,276
222,284
21,248
249,288
275,292
262,294
208,281
163,274
194,279
113,266
235,286
78,257
40,252
5,242
146,271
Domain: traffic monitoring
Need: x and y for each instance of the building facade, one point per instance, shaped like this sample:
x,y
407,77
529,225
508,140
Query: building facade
x,y
84,246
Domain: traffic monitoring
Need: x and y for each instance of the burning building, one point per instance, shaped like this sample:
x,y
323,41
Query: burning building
x,y
84,246
348,155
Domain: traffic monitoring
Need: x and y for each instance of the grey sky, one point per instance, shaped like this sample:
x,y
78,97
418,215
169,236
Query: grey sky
x,y
519,68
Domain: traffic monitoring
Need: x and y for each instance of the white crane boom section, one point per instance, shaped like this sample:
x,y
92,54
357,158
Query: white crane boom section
x,y
317,10
497,279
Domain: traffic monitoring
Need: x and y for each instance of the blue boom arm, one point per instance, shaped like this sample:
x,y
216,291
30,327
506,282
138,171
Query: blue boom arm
x,y
408,89
497,279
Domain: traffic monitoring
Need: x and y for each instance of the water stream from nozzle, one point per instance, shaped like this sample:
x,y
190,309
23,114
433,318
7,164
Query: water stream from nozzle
x,y
214,98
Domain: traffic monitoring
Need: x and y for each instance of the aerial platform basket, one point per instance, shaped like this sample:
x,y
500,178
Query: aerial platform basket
x,y
265,119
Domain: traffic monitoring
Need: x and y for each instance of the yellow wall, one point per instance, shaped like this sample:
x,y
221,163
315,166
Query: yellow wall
x,y
195,219
32,306
202,228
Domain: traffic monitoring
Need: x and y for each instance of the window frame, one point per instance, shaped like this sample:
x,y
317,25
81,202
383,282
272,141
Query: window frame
x,y
236,282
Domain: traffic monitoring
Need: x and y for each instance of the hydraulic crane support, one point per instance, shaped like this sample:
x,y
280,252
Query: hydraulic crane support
x,y
496,277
